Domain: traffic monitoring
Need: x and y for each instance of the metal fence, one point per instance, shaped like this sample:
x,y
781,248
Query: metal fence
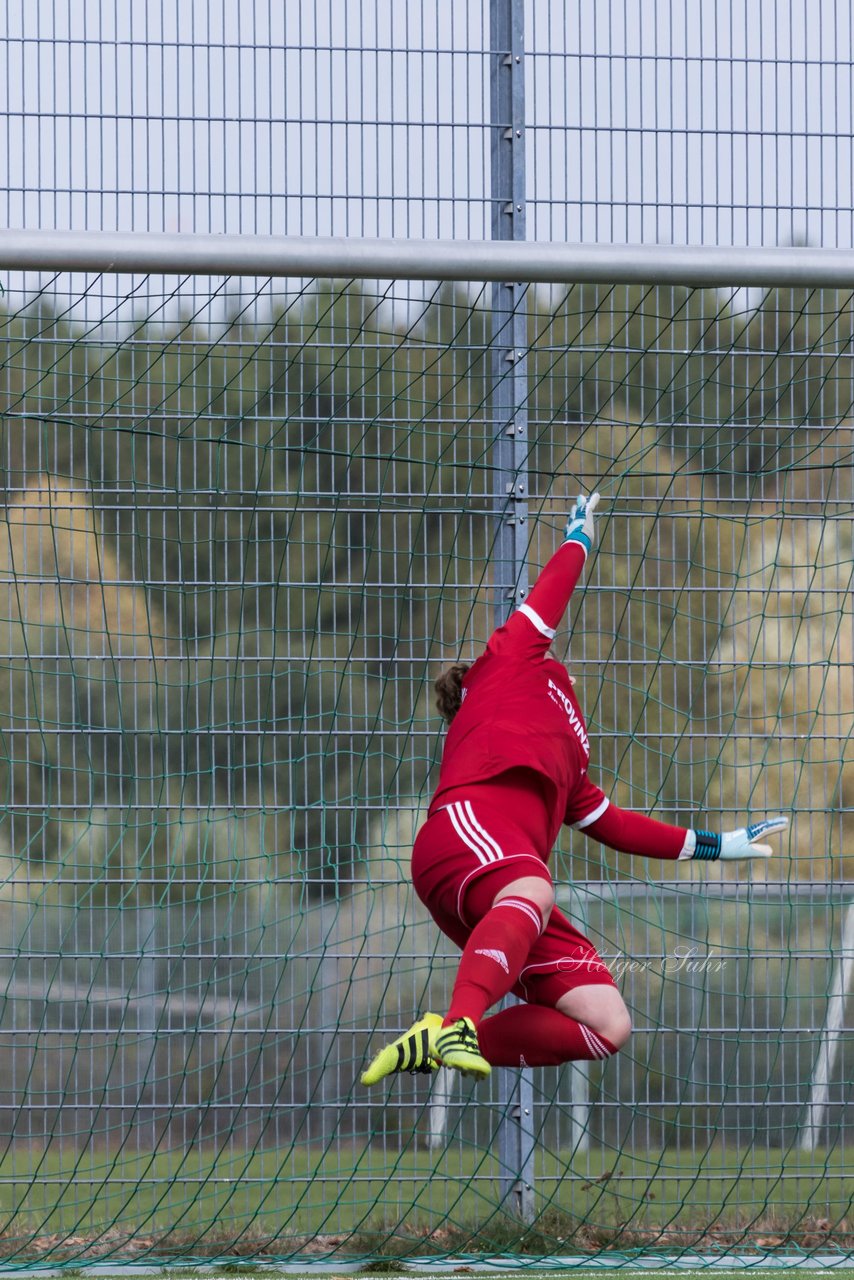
x,y
652,121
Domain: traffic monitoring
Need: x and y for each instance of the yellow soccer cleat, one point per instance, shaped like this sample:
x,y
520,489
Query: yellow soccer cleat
x,y
457,1047
414,1052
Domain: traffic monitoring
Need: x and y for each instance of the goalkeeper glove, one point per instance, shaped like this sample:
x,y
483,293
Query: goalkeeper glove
x,y
579,527
732,846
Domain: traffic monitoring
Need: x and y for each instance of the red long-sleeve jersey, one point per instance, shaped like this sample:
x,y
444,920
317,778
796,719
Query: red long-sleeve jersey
x,y
519,712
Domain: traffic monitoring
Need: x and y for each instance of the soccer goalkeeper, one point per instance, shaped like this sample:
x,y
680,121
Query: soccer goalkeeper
x,y
514,768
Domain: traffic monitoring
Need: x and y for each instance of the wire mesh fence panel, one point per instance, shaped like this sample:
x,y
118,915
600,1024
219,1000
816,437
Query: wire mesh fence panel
x,y
656,121
236,549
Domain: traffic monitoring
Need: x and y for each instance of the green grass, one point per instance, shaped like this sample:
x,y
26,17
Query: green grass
x,y
503,1272
533,1273
669,1272
401,1203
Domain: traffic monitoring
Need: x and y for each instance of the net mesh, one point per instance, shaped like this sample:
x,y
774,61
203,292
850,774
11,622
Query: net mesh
x,y
244,526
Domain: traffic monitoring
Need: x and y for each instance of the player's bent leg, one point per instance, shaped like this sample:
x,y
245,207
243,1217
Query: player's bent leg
x,y
530,1035
510,918
508,914
574,1012
493,908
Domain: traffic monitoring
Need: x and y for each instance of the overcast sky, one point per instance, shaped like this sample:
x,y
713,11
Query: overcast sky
x,y
710,121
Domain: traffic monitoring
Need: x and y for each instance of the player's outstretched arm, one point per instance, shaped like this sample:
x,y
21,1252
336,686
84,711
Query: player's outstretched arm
x,y
629,832
531,628
550,594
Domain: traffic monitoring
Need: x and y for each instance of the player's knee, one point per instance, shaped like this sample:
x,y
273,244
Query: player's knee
x,y
612,1028
534,889
545,899
611,1019
616,1028
601,1009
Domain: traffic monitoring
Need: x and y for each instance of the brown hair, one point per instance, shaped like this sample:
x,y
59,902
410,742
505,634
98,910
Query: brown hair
x,y
449,691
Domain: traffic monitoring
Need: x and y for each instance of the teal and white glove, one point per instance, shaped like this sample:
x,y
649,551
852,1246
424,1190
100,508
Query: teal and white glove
x,y
732,846
579,527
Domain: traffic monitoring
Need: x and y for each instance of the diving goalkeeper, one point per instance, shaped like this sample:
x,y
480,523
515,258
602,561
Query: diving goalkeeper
x,y
514,768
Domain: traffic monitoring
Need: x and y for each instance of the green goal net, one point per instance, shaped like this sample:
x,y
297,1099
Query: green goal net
x,y
244,525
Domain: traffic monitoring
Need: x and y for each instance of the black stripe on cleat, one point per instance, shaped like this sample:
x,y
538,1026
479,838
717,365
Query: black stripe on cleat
x,y
421,1064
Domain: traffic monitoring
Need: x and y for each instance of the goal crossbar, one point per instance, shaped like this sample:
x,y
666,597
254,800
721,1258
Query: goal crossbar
x,y
345,257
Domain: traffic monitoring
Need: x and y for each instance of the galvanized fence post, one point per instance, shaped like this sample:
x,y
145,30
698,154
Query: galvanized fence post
x,y
509,420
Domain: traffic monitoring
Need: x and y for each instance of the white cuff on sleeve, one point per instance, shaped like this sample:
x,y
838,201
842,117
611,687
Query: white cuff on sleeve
x,y
591,817
533,616
687,850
